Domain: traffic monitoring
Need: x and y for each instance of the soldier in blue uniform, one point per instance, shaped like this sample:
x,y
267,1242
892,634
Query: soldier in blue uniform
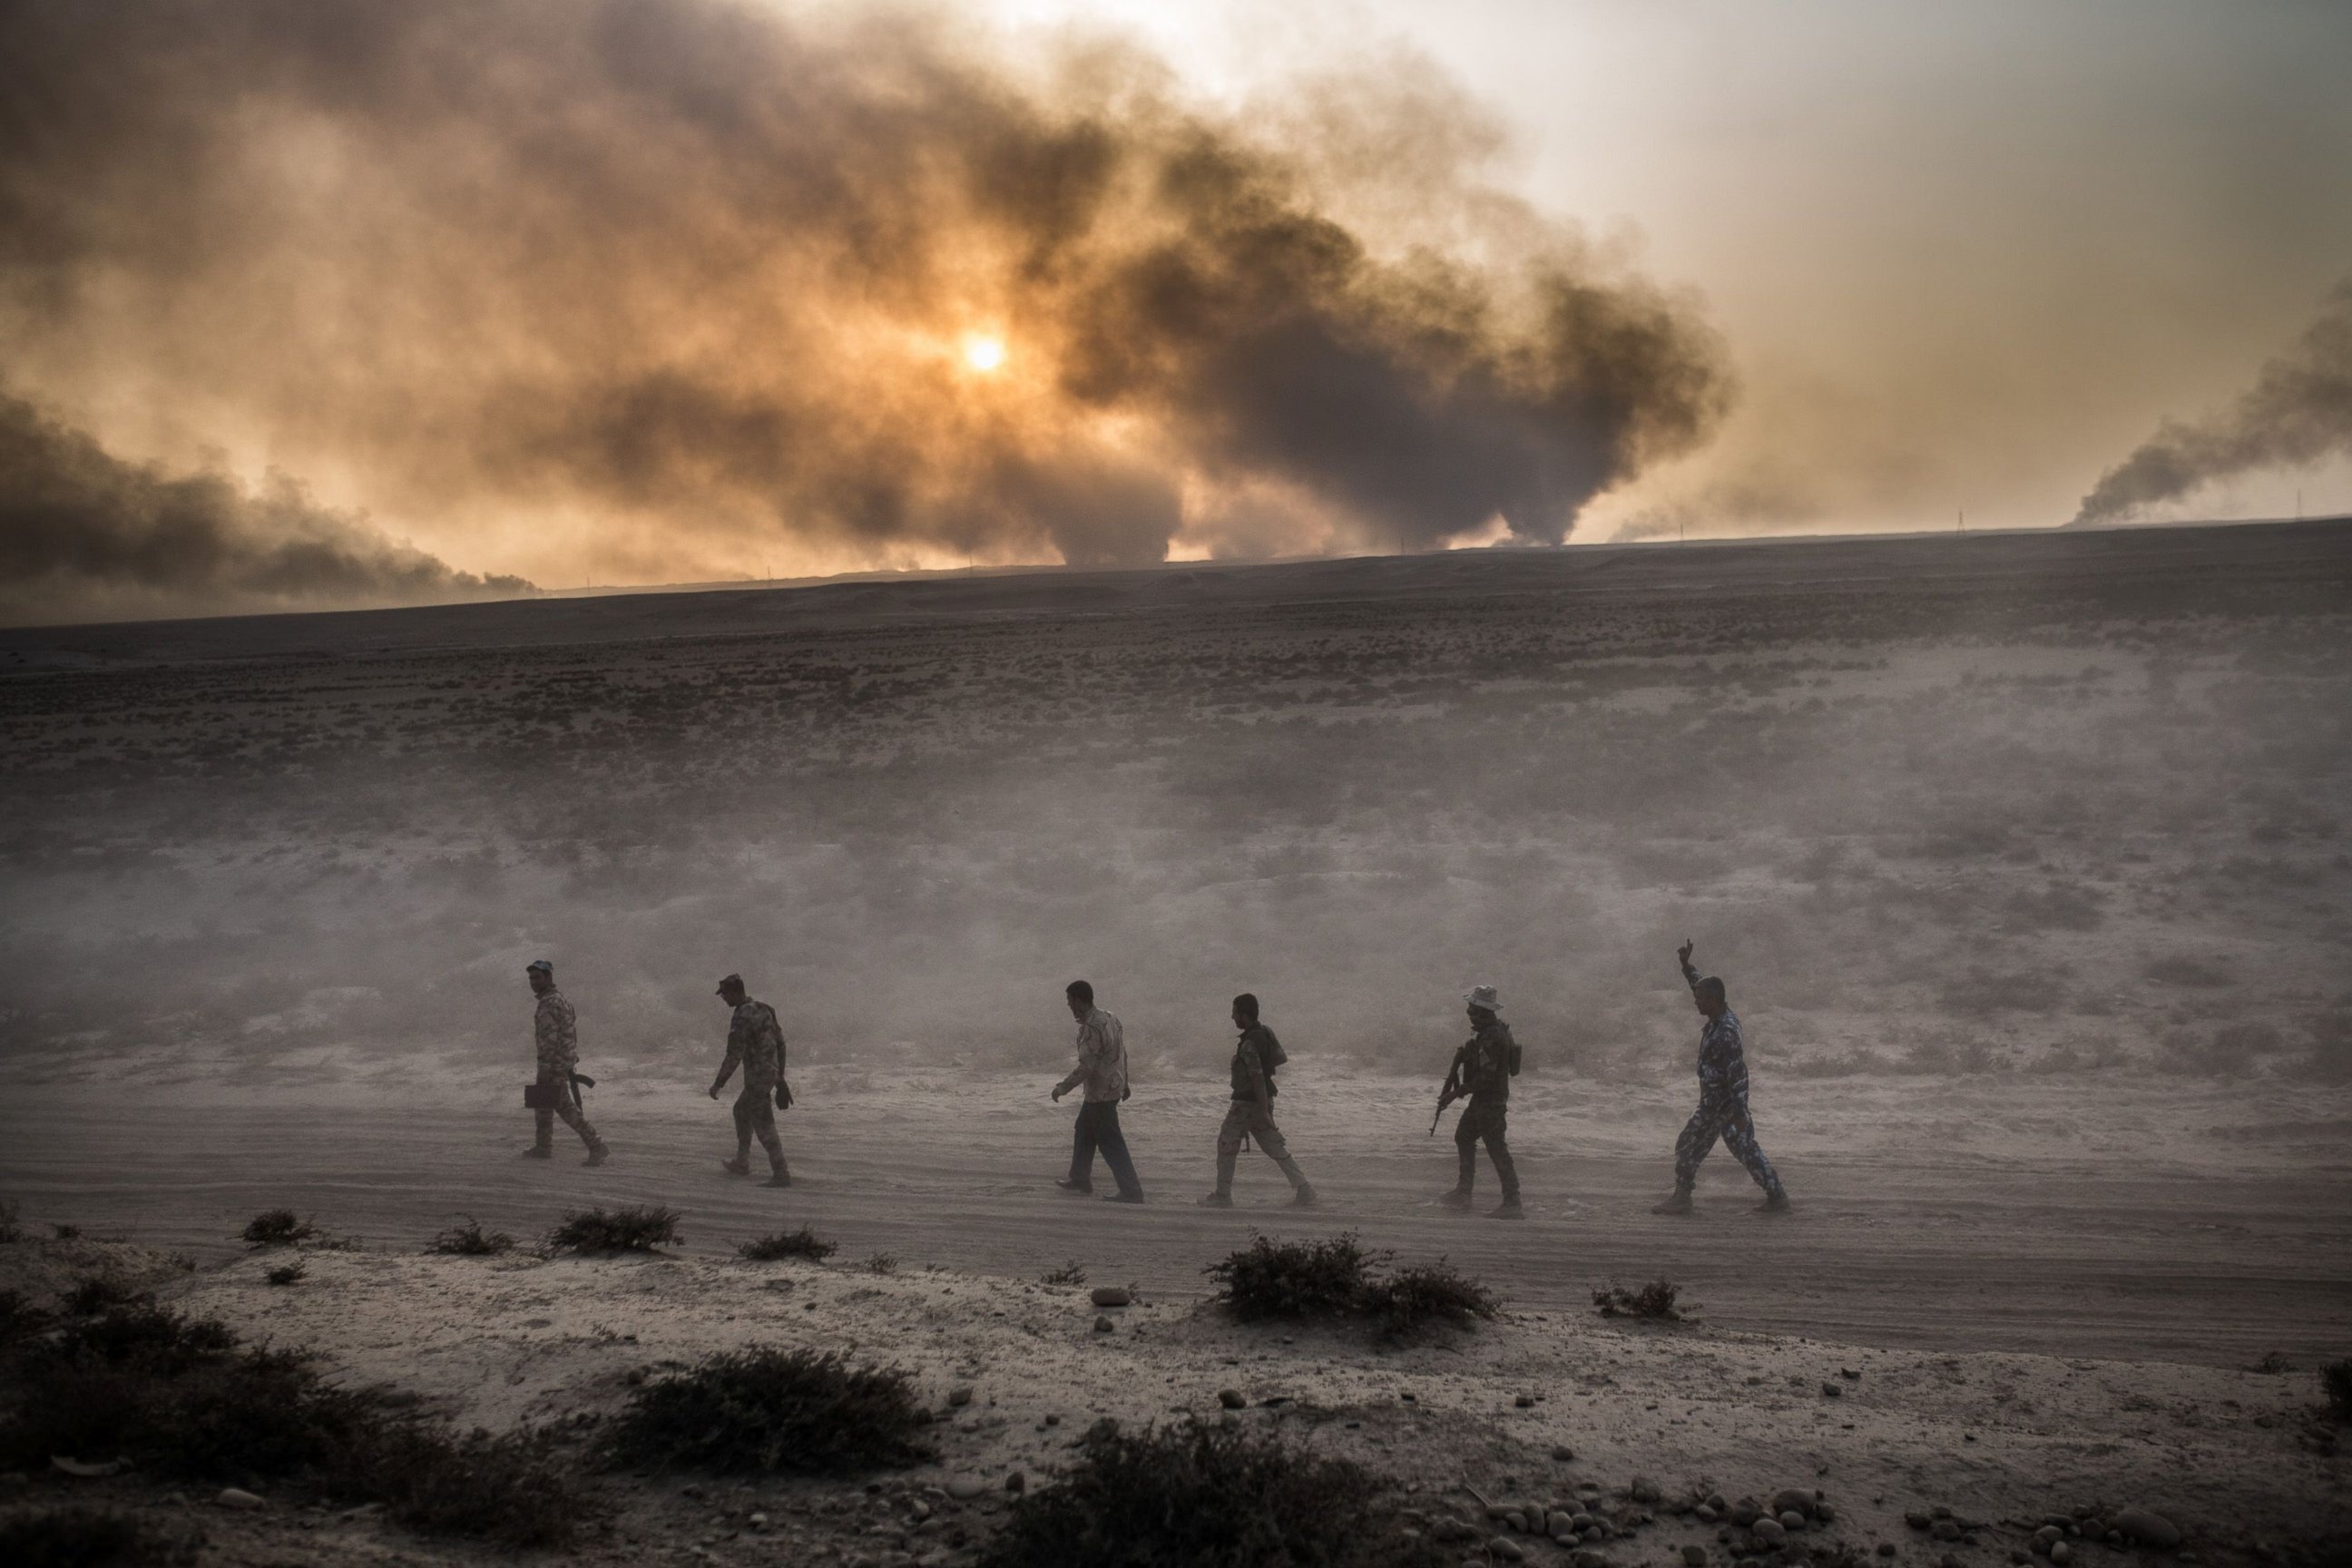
x,y
1722,1099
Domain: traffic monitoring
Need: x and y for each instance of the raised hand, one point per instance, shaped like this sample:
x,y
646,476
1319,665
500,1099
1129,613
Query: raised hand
x,y
1684,952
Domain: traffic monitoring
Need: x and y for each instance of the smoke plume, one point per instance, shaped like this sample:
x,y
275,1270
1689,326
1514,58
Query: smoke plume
x,y
85,532
2299,411
697,284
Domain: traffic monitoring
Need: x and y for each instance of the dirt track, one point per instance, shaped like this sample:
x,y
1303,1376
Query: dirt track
x,y
1954,1249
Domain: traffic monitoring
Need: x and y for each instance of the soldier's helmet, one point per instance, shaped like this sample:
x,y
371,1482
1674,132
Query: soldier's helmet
x,y
1485,997
540,966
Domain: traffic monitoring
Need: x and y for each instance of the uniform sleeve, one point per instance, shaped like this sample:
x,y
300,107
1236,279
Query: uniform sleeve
x,y
1090,1054
738,1037
553,1039
1690,976
776,1037
1253,1065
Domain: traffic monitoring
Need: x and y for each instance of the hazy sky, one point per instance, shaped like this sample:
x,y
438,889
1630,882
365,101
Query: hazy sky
x,y
346,301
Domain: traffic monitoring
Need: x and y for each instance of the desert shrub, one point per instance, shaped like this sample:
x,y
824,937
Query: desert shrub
x,y
470,1240
766,1409
1202,1494
2272,1363
2335,1382
641,1228
286,1274
1297,1279
278,1227
97,1294
9,1229
1411,1298
882,1263
1654,1301
182,1398
81,1537
64,1232
19,1319
802,1243
1069,1273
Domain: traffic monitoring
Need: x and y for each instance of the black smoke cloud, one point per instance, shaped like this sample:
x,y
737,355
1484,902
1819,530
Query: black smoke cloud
x,y
2299,411
680,283
82,533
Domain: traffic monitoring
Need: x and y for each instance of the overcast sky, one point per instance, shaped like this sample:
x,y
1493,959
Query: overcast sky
x,y
358,302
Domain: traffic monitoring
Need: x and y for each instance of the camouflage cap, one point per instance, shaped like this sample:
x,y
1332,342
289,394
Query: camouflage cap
x,y
538,966
1485,997
734,980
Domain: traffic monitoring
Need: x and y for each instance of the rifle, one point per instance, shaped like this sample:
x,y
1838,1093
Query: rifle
x,y
1449,1094
577,1080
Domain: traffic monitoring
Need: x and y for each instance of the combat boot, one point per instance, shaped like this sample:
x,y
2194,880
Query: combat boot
x,y
1304,1198
738,1167
598,1155
1774,1203
1216,1200
538,1151
1459,1198
1508,1209
1081,1188
1679,1204
779,1177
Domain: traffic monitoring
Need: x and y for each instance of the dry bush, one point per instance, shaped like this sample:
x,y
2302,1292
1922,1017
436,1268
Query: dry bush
x,y
802,1243
1411,1298
286,1274
1653,1302
1201,1494
99,1293
641,1228
470,1240
1069,1273
765,1410
1302,1281
278,1227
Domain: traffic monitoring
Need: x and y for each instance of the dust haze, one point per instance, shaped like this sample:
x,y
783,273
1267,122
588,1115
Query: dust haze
x,y
692,287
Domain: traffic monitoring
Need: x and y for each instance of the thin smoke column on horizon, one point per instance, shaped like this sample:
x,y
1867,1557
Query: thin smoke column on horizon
x,y
686,283
2299,412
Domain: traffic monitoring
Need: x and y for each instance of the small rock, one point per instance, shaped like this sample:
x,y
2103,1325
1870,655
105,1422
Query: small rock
x,y
1705,1514
756,1520
2061,1553
1112,1296
2149,1528
919,1510
1770,1532
236,1496
1886,1549
1588,1558
1833,1390
1917,1519
1792,1499
959,1397
1944,1530
1693,1556
1525,1402
1645,1490
1502,1549
1850,1374
1824,1512
1746,1511
1563,1455
963,1488
1103,1325
1791,1518
1231,1398
1016,1483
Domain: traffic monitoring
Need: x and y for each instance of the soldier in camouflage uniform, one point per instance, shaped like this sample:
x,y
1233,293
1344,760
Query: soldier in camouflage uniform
x,y
756,1040
1251,1115
1722,1099
1481,1071
557,1036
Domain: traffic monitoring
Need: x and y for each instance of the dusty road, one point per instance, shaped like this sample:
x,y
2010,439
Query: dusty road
x,y
1910,1238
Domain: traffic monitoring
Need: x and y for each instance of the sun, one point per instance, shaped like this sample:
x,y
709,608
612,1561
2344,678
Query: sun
x,y
983,354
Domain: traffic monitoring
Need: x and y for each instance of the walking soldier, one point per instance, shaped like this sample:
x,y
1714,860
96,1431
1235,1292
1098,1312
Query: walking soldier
x,y
1722,1099
1482,1069
555,1035
1251,1115
1102,1069
755,1040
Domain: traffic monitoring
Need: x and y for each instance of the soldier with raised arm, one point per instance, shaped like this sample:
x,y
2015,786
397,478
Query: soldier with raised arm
x,y
556,1040
1722,1099
756,1041
1482,1072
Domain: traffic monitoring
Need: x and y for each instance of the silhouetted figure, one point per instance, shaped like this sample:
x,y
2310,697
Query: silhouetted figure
x,y
756,1040
556,1035
1256,1057
1102,1069
1722,1099
1482,1069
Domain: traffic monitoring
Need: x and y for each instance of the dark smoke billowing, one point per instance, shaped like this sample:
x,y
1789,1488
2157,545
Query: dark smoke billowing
x,y
2299,411
85,531
689,283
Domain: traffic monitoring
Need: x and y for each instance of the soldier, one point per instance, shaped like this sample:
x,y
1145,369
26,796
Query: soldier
x,y
1722,1099
755,1039
557,1036
1102,1067
1482,1069
1252,1113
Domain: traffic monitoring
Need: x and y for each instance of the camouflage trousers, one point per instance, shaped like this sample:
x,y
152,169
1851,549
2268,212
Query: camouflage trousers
x,y
1728,1121
1248,1119
568,1108
1485,1119
755,1117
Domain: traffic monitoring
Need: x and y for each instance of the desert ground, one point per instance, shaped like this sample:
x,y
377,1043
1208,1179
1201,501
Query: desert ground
x,y
2025,858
